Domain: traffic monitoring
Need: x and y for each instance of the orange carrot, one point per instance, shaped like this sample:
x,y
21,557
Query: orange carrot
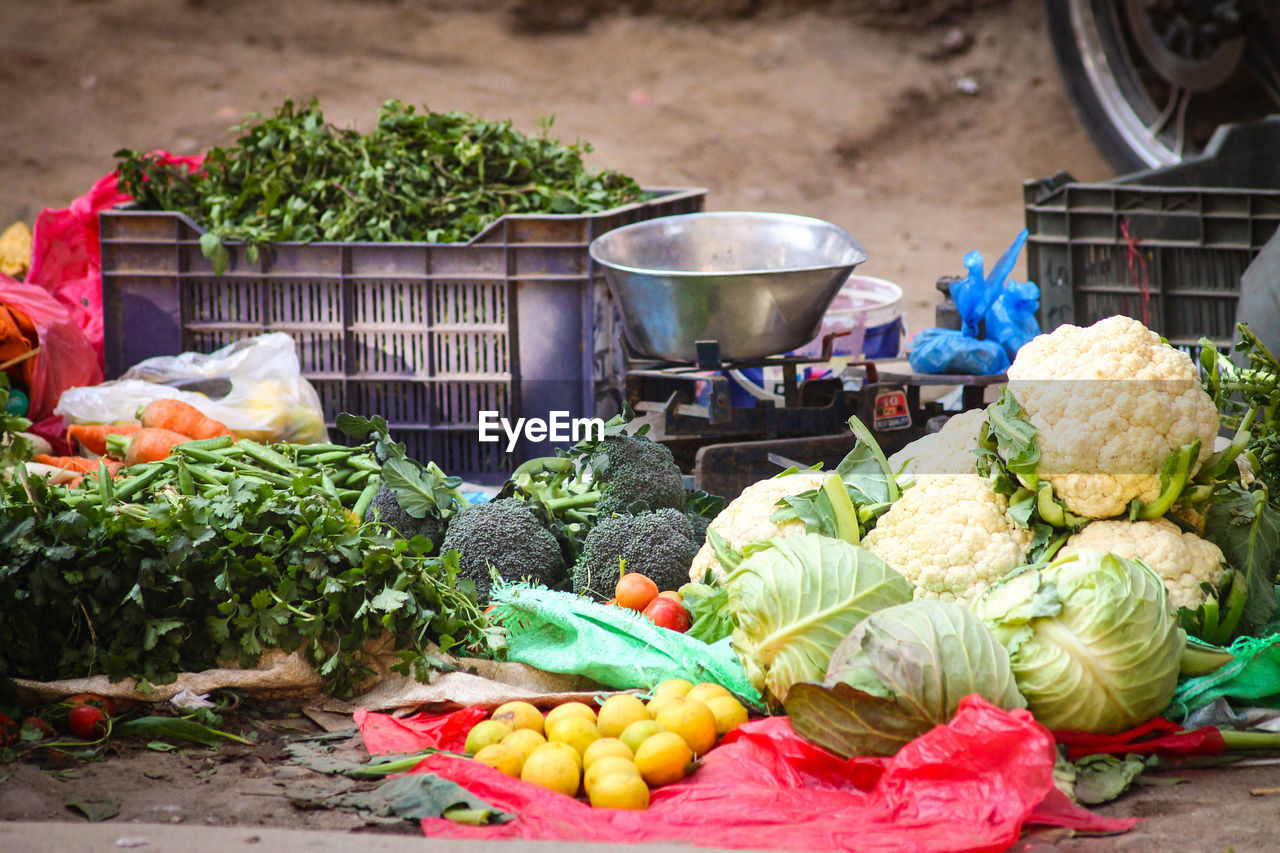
x,y
93,437
151,444
181,417
75,482
79,464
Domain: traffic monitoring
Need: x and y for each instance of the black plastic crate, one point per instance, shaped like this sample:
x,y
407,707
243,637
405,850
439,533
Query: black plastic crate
x,y
517,321
1167,246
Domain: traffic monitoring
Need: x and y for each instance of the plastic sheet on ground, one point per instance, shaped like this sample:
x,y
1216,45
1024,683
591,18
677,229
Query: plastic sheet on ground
x,y
969,785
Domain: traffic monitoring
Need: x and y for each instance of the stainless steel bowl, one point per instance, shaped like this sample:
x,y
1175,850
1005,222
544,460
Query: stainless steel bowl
x,y
758,283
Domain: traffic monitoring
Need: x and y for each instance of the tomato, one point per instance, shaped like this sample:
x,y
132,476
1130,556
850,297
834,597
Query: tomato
x,y
87,721
671,594
635,591
9,734
668,613
107,704
39,725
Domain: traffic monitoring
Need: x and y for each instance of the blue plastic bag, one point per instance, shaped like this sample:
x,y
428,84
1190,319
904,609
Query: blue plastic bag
x,y
1011,319
951,351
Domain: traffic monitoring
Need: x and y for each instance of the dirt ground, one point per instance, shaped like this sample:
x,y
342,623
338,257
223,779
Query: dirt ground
x,y
914,131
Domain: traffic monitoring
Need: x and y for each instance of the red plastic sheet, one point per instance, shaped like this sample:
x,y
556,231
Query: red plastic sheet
x,y
970,785
65,256
1154,737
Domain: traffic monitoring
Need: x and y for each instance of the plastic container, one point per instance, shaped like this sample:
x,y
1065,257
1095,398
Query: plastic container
x,y
1166,246
517,321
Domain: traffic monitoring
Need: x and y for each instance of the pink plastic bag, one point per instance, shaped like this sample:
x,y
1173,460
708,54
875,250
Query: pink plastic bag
x,y
66,357
970,785
65,256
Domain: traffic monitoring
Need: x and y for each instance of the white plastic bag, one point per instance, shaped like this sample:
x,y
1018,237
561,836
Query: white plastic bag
x,y
255,386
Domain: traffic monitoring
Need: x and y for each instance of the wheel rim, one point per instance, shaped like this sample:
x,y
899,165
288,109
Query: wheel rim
x,y
1153,65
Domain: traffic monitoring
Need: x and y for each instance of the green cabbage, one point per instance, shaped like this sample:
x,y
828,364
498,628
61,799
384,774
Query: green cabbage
x,y
795,598
1094,643
900,672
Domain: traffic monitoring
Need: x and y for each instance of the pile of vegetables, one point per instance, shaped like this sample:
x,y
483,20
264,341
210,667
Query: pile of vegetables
x,y
417,176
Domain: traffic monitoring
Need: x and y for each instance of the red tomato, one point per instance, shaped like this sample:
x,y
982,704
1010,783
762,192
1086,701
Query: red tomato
x,y
671,594
107,705
635,591
9,734
668,613
39,725
87,721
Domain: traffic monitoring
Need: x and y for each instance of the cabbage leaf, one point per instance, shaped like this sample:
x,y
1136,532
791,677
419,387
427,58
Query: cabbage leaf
x,y
795,598
900,672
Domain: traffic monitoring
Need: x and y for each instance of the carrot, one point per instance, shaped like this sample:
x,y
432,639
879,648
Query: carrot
x,y
93,437
79,464
181,417
151,444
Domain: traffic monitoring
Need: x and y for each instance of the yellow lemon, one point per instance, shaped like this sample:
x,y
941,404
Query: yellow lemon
x,y
604,747
502,758
519,715
618,712
578,708
705,690
728,711
692,720
678,686
523,741
484,733
620,791
607,766
657,703
577,731
663,758
553,766
638,732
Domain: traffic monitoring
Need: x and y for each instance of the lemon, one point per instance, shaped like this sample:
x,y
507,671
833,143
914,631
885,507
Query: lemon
x,y
638,732
523,741
553,766
728,711
618,712
607,766
484,733
663,758
567,750
620,791
657,703
502,758
519,715
577,731
692,720
579,708
679,686
705,690
605,747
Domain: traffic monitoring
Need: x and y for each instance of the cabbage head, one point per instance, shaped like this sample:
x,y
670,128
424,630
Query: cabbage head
x,y
1094,643
793,600
900,672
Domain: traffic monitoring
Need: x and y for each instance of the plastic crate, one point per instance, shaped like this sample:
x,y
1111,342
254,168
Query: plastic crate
x,y
1166,246
517,321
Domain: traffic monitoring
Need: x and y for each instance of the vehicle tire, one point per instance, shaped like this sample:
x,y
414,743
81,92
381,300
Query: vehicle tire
x,y
1152,79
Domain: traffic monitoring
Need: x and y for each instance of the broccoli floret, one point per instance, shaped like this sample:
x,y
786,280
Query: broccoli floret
x,y
699,523
506,536
659,544
634,473
386,509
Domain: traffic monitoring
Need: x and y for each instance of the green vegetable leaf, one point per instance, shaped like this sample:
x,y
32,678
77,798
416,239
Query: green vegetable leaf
x,y
1244,524
848,721
1014,438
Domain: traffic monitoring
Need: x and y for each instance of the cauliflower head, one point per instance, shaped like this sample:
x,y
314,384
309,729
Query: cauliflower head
x,y
951,537
746,518
948,451
1182,560
1103,441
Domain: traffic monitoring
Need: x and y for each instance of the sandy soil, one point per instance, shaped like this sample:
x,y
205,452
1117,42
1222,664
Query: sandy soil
x,y
839,111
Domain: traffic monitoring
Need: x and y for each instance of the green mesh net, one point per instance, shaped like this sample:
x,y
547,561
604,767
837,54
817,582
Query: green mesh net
x,y
1253,678
614,646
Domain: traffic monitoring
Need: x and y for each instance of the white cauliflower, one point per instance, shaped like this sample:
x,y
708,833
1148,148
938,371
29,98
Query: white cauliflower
x,y
948,451
951,537
1182,560
746,518
1103,441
